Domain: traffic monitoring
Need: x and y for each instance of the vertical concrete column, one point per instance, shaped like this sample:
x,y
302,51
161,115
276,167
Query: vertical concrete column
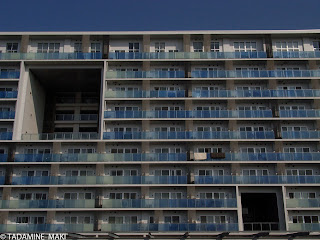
x,y
207,42
24,43
105,48
315,84
231,104
187,70
6,193
100,169
192,216
52,193
232,125
313,65
86,43
191,192
51,215
186,42
278,146
158,216
188,107
286,216
234,146
316,103
190,173
270,64
268,46
228,65
239,209
235,169
281,169
78,96
230,84
56,147
4,217
145,192
272,84
101,147
146,43
189,88
145,169
55,169
97,221
145,147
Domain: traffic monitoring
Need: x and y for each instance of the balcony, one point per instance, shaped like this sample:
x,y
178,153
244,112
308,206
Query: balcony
x,y
190,114
3,157
145,74
169,203
76,117
168,227
299,113
300,134
58,180
303,203
189,135
49,56
270,179
72,100
8,94
39,228
9,75
261,226
26,204
255,74
7,114
61,136
145,94
256,93
297,54
5,135
93,157
186,55
304,227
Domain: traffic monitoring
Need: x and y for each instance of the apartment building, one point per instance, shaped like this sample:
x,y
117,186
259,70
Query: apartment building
x,y
165,135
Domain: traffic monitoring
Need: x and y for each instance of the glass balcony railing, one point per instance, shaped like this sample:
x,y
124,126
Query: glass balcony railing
x,y
76,117
36,228
145,74
7,114
189,135
49,56
304,227
79,203
167,227
3,157
297,54
5,135
169,203
255,93
94,157
185,55
56,180
60,136
145,94
8,94
270,179
255,74
9,75
140,157
303,203
2,180
300,134
190,114
299,113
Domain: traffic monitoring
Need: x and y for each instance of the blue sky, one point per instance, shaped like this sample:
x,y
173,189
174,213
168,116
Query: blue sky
x,y
130,15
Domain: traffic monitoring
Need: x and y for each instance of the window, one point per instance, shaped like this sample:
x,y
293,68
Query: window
x,y
209,129
288,69
296,129
38,173
48,47
124,150
167,172
160,46
78,47
81,150
204,88
287,46
213,219
305,219
76,173
31,220
299,172
296,149
215,47
303,195
167,150
123,196
172,88
76,195
292,107
255,172
210,150
210,172
32,196
247,69
316,45
127,69
253,150
198,46
213,195
124,172
123,219
95,47
245,46
207,108
167,129
206,69
128,129
245,88
37,151
289,87
12,47
134,47
77,220
168,195
251,129
172,219
167,108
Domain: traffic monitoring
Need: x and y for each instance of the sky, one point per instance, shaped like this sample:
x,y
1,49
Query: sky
x,y
158,15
